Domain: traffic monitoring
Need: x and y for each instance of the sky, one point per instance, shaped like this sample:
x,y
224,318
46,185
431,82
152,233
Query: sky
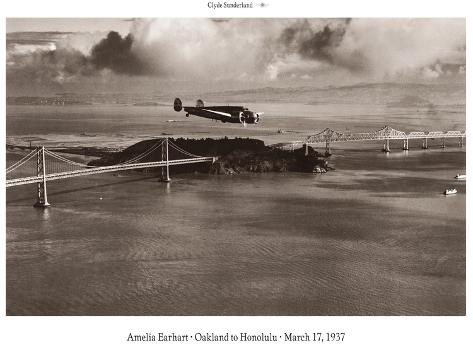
x,y
121,25
153,55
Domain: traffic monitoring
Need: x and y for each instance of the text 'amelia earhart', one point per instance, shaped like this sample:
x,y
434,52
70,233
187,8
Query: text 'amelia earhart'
x,y
174,337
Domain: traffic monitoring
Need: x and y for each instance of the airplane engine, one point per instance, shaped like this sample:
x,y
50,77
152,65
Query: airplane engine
x,y
250,117
238,116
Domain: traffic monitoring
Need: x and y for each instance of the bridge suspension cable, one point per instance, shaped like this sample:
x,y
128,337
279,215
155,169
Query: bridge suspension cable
x,y
65,160
144,154
21,161
179,149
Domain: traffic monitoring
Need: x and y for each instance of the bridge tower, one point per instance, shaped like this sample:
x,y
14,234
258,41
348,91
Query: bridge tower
x,y
386,148
42,200
165,157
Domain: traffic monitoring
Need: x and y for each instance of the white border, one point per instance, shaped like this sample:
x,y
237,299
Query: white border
x,y
107,335
275,8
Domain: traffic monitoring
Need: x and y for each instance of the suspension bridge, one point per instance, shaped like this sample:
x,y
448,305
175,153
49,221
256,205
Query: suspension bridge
x,y
386,134
42,165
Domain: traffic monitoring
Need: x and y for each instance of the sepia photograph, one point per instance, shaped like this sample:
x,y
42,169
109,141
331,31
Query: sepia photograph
x,y
235,166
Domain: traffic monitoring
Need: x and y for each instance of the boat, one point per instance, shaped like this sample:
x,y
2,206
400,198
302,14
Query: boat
x,y
450,191
460,177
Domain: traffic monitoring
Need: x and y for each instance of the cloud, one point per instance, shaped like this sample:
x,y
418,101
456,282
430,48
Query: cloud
x,y
250,50
401,47
314,43
379,48
203,48
115,53
275,48
45,66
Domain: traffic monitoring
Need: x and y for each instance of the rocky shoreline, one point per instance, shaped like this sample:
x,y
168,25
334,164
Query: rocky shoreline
x,y
235,156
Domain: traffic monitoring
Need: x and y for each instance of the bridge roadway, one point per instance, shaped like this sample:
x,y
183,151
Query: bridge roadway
x,y
104,169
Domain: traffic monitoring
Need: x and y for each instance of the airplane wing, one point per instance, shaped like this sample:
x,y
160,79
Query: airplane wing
x,y
208,113
218,112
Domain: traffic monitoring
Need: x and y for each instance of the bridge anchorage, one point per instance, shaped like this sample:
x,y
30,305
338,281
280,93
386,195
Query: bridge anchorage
x,y
386,134
42,165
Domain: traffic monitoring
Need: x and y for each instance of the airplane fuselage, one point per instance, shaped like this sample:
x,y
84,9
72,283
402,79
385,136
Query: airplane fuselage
x,y
231,114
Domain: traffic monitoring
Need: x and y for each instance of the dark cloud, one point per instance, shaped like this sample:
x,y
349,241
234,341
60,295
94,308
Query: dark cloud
x,y
319,46
116,53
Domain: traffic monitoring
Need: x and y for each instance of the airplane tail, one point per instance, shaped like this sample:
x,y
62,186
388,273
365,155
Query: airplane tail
x,y
177,104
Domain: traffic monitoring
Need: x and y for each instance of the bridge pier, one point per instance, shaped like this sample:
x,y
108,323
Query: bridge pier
x,y
165,156
306,146
327,147
406,144
443,143
460,142
424,144
386,148
42,198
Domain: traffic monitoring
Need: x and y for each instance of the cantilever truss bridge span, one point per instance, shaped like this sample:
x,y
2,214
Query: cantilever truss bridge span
x,y
385,134
42,165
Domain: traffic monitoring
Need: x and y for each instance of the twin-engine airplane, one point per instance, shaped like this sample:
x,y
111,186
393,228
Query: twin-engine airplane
x,y
232,114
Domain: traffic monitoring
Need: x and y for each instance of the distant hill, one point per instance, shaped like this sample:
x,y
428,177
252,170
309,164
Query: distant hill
x,y
363,93
389,94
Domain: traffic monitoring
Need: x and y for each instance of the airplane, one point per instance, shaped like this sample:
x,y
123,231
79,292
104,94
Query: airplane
x,y
232,114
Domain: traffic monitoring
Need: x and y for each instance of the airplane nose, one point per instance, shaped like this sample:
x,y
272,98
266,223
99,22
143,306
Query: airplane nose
x,y
254,117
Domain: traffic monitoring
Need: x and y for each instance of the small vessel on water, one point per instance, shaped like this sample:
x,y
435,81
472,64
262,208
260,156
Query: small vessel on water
x,y
460,177
452,191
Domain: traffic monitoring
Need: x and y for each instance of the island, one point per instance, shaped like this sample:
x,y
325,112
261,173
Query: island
x,y
234,156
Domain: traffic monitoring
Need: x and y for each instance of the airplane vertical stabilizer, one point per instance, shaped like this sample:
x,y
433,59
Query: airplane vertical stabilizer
x,y
177,104
199,103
